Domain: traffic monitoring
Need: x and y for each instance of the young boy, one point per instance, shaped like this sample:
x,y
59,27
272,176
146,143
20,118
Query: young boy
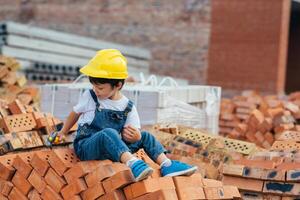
x,y
109,125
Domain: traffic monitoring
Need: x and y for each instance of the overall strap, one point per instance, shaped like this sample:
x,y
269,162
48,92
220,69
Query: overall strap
x,y
94,97
128,107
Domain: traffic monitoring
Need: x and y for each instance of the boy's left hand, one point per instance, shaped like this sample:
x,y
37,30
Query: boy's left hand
x,y
131,134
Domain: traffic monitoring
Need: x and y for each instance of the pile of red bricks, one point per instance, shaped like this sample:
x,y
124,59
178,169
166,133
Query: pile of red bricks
x,y
273,174
209,153
259,119
12,84
23,126
58,174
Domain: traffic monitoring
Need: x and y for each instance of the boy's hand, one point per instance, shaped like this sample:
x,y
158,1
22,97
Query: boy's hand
x,y
131,134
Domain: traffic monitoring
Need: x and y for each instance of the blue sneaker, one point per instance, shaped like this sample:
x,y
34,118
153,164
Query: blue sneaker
x,y
140,170
178,169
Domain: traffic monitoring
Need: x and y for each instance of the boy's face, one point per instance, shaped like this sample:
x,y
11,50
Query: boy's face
x,y
104,91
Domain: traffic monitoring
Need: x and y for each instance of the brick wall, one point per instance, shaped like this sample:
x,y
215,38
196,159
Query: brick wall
x,y
176,32
248,48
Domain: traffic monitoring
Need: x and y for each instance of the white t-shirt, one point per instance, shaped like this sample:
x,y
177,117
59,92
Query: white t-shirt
x,y
87,106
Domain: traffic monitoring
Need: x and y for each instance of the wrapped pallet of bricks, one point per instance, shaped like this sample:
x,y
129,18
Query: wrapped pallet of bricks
x,y
196,106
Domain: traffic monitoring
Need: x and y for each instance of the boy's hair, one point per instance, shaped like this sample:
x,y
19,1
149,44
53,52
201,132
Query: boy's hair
x,y
112,82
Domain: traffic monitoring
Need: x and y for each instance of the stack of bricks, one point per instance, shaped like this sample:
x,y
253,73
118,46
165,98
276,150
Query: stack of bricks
x,y
209,154
23,126
58,174
12,84
259,119
273,174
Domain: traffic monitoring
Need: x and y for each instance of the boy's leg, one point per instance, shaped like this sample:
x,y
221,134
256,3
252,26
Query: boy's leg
x,y
157,153
107,144
150,144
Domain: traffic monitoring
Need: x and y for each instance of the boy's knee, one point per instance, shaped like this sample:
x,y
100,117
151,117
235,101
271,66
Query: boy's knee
x,y
145,134
110,132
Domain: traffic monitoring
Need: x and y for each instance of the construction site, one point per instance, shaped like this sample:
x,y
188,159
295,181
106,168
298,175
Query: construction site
x,y
142,100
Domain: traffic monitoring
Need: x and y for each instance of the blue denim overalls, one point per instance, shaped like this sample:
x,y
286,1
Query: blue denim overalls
x,y
102,140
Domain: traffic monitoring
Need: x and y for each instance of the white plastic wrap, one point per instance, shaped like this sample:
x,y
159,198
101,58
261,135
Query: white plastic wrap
x,y
155,102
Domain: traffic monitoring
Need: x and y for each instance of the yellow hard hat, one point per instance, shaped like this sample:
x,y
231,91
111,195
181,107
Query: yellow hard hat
x,y
107,63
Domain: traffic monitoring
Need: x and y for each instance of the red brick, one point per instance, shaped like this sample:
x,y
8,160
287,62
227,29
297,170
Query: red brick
x,y
114,195
118,180
15,194
18,123
54,180
211,183
5,187
37,181
10,78
21,183
76,197
276,175
3,71
160,194
16,107
34,195
190,193
232,191
117,167
99,174
293,175
58,164
288,166
267,164
216,193
235,170
147,186
253,172
257,117
40,165
3,197
93,192
188,181
274,187
21,166
243,183
41,123
80,169
50,194
74,188
269,138
6,172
